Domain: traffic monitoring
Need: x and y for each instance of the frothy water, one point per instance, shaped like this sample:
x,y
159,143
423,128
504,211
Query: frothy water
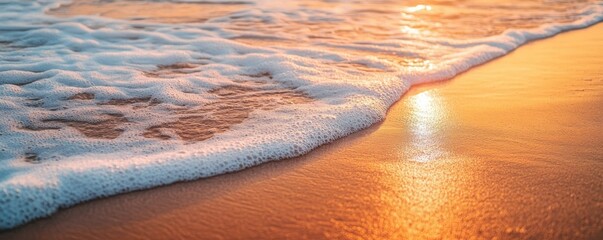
x,y
102,97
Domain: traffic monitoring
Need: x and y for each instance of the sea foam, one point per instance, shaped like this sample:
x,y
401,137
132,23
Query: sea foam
x,y
93,106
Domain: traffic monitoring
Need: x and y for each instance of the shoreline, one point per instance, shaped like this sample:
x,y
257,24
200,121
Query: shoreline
x,y
349,107
268,180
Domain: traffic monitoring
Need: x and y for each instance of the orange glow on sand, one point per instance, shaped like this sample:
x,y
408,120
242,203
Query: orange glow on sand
x,y
482,146
508,150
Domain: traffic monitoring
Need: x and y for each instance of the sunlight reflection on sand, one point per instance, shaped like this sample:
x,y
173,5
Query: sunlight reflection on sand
x,y
427,120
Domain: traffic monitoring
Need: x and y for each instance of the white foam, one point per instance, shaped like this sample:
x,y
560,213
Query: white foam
x,y
45,59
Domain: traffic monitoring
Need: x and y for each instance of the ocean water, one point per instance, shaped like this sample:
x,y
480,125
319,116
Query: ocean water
x,y
102,97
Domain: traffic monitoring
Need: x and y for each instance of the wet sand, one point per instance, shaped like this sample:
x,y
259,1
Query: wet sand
x,y
510,150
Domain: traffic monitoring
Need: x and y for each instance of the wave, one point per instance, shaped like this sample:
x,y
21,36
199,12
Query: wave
x,y
104,103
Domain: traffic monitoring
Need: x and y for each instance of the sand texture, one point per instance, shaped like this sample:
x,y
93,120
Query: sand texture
x,y
509,150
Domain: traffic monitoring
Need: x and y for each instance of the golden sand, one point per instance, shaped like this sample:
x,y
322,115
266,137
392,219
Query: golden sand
x,y
509,150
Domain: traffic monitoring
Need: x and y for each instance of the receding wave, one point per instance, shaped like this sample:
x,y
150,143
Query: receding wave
x,y
103,97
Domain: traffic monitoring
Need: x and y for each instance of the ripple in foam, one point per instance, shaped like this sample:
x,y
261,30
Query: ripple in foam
x,y
93,106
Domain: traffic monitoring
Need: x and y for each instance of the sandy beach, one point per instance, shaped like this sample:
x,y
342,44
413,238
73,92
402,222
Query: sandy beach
x,y
509,150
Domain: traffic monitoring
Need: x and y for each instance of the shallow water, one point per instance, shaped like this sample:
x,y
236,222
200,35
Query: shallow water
x,y
509,150
109,96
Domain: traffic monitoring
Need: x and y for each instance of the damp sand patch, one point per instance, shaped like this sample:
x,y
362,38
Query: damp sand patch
x,y
232,105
